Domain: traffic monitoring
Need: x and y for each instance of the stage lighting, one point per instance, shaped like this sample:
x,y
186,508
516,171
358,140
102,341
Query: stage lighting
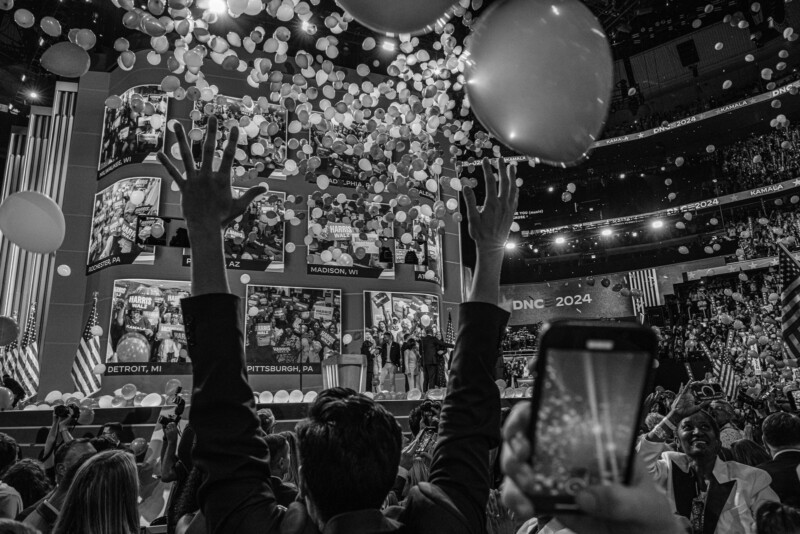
x,y
218,6
511,245
389,46
606,232
560,240
658,224
33,95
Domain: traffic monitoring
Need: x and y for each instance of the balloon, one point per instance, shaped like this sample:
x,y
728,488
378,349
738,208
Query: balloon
x,y
171,387
32,221
550,104
86,39
6,398
66,59
9,330
138,398
50,26
24,18
105,401
152,400
683,250
6,5
86,416
137,197
64,270
425,320
99,369
133,347
128,391
118,402
138,446
157,230
52,397
96,330
347,339
399,16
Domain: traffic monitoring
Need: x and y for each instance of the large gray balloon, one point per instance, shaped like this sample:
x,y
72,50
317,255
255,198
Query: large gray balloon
x,y
539,77
66,59
399,16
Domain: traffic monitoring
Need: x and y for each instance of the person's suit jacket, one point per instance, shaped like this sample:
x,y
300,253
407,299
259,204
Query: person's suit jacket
x,y
431,345
236,495
394,354
785,472
734,495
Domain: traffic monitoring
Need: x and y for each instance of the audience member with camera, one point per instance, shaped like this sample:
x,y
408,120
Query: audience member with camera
x,y
348,441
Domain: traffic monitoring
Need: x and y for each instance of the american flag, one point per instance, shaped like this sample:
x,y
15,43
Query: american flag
x,y
723,370
450,335
27,357
88,357
9,353
790,301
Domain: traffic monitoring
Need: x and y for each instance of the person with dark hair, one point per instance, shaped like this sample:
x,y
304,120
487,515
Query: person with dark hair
x,y
44,516
112,432
28,477
724,416
781,434
10,499
9,526
349,446
748,452
279,463
777,518
432,349
292,474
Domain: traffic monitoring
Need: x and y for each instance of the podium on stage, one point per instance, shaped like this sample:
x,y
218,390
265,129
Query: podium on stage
x,y
345,370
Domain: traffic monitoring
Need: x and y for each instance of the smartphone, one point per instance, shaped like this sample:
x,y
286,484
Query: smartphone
x,y
426,441
705,392
590,382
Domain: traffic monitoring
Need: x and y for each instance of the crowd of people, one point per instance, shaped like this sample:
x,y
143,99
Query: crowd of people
x,y
709,467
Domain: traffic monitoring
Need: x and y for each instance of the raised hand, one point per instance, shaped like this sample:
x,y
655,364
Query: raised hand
x,y
489,226
206,196
685,404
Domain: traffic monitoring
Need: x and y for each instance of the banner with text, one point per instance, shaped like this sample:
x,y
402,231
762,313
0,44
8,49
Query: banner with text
x,y
112,240
290,330
254,241
146,335
133,128
349,238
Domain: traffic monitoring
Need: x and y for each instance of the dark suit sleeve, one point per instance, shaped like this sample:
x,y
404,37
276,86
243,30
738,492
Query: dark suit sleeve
x,y
470,419
236,495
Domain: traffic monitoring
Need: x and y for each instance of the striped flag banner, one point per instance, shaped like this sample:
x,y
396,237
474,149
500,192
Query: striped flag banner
x,y
790,301
725,374
88,357
27,357
9,353
646,281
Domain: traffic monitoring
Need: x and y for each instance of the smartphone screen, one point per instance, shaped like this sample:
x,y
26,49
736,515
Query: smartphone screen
x,y
426,441
588,413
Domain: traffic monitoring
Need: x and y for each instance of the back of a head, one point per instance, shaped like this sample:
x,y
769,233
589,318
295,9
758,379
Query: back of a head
x,y
9,451
781,430
749,452
276,444
348,441
777,518
9,526
103,497
28,477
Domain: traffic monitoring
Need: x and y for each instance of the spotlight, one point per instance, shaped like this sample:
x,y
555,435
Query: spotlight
x,y
511,245
536,251
218,7
658,224
560,240
622,176
550,189
634,234
606,232
389,46
33,95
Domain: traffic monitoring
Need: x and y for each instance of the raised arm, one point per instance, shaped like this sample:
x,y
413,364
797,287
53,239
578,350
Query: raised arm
x,y
236,495
470,420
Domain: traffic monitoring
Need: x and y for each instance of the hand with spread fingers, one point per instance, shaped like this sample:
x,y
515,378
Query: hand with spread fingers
x,y
206,196
489,227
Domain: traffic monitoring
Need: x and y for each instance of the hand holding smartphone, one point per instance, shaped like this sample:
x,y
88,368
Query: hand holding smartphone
x,y
591,379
